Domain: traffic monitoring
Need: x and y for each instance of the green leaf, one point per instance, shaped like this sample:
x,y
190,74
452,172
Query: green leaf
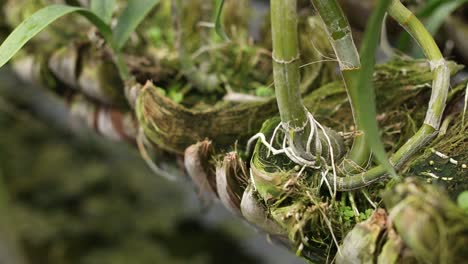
x,y
103,9
366,100
429,8
438,16
349,213
264,91
131,17
435,12
404,41
218,23
41,19
176,96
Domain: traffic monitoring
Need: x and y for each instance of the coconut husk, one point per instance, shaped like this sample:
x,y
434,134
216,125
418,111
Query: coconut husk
x,y
361,244
428,222
174,127
231,181
197,161
255,212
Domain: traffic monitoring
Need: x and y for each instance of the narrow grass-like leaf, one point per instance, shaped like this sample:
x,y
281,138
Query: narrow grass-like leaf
x,y
41,19
439,15
436,18
218,23
131,17
404,41
366,101
103,9
430,7
434,13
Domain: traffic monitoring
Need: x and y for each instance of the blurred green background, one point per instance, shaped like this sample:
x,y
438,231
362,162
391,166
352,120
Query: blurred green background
x,y
71,197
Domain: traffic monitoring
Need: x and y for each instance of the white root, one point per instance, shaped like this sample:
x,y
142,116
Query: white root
x,y
330,150
273,137
366,195
318,162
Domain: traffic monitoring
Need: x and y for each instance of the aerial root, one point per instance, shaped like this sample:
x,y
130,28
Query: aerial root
x,y
318,162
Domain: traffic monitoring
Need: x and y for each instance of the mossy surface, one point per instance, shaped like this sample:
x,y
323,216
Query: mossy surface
x,y
445,161
301,203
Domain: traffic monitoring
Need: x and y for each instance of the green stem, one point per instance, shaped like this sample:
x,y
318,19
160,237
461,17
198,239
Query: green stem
x,y
432,52
286,63
286,72
440,87
341,38
339,32
218,25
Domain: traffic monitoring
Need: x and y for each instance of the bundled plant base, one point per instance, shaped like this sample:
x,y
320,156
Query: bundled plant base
x,y
421,225
294,194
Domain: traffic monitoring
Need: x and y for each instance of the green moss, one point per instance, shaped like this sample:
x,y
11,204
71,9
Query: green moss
x,y
442,162
299,203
